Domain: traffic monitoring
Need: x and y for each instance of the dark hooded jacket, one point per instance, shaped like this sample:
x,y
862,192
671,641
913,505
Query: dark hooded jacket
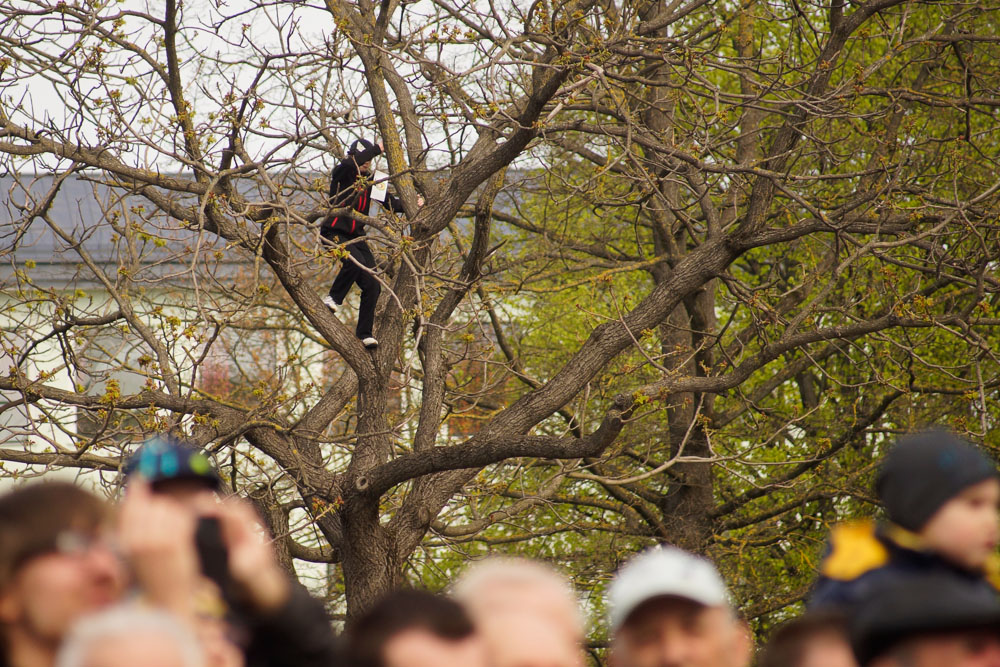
x,y
297,635
348,191
862,556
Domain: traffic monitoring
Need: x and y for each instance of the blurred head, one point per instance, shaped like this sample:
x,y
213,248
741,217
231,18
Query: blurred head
x,y
965,529
127,636
415,629
55,563
670,608
924,472
928,621
952,649
817,639
526,612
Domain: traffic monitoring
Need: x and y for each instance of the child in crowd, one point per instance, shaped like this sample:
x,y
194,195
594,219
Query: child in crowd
x,y
941,495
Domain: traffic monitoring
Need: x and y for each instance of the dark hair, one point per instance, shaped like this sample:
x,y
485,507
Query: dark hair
x,y
33,517
401,611
787,644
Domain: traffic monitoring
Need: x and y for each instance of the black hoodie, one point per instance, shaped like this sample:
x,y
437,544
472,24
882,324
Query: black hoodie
x,y
346,192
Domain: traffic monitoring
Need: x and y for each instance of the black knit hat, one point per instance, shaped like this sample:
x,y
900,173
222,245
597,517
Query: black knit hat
x,y
359,146
910,606
924,471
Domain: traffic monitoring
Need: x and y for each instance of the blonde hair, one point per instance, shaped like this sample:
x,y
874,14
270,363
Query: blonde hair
x,y
474,586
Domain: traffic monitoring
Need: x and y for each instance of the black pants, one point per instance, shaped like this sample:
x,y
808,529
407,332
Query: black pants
x,y
351,273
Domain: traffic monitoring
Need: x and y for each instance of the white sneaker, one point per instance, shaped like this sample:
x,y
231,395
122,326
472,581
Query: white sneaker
x,y
370,343
330,303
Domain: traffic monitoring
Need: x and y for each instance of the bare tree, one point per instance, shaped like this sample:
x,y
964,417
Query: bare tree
x,y
681,268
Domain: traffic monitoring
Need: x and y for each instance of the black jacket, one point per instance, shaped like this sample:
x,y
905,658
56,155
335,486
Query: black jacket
x,y
297,635
862,555
347,192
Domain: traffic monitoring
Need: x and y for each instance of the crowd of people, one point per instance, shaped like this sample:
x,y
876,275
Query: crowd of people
x,y
179,575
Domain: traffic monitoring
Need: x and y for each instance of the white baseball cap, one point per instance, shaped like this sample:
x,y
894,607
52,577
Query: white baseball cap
x,y
664,571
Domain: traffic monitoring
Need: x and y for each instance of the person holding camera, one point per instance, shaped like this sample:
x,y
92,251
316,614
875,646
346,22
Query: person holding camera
x,y
205,557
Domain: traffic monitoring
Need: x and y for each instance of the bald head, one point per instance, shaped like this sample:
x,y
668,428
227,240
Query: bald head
x,y
526,611
129,635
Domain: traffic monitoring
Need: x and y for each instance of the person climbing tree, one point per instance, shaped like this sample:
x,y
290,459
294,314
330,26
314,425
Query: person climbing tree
x,y
351,188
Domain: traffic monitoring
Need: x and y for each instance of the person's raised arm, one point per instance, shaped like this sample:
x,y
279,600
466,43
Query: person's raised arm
x,y
156,537
288,627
